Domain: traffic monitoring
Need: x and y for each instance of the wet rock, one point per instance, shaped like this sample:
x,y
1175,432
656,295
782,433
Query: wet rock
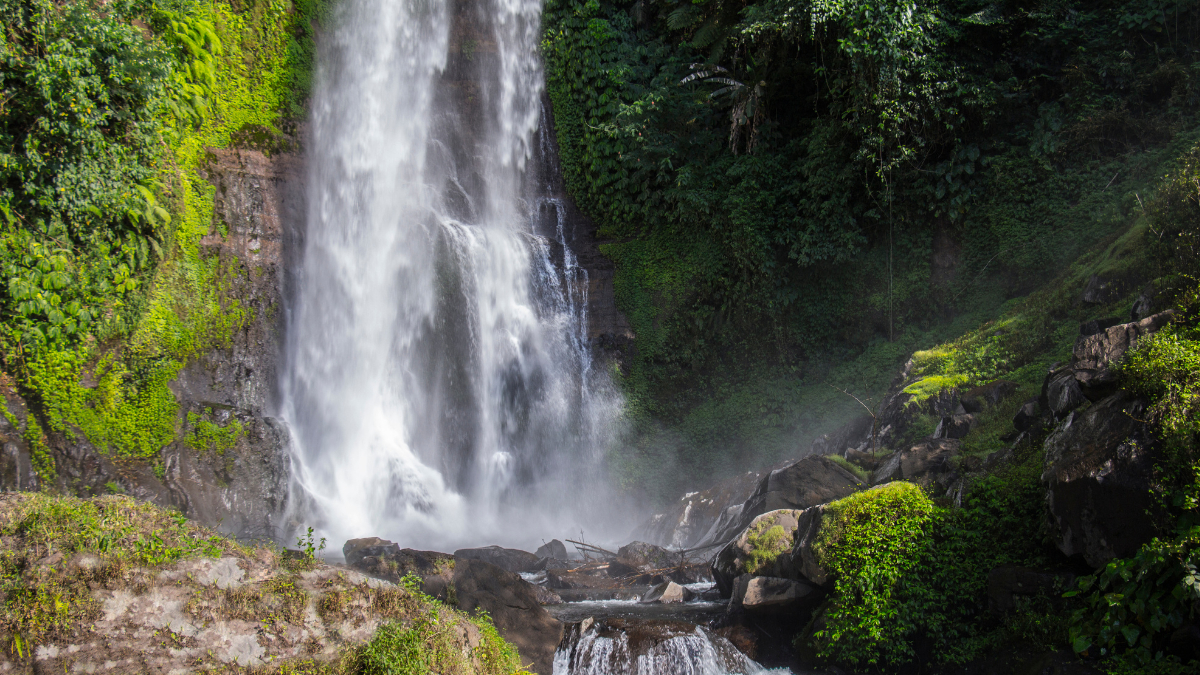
x,y
620,646
513,605
556,564
762,539
1098,475
642,554
772,594
1006,582
668,592
545,596
619,569
553,549
742,638
866,460
927,463
511,559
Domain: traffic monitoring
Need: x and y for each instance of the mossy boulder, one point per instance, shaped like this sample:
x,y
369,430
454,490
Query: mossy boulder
x,y
762,549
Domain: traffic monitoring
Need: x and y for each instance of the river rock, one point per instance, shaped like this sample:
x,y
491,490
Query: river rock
x,y
641,554
772,594
1098,475
927,464
511,559
735,558
554,549
513,605
545,596
668,592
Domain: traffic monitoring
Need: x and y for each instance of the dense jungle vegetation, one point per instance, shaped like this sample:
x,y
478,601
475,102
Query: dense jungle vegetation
x,y
105,113
802,193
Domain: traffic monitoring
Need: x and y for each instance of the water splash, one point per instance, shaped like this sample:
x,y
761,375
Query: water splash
x,y
439,383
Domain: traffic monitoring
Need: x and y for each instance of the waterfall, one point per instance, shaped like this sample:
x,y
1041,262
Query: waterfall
x,y
438,382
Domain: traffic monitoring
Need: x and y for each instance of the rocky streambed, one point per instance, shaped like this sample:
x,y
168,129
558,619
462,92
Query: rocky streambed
x,y
730,580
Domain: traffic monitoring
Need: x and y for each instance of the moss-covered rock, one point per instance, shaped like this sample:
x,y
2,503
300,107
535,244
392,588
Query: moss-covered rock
x,y
114,581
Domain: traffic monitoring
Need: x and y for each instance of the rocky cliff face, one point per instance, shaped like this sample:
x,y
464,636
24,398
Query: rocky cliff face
x,y
241,490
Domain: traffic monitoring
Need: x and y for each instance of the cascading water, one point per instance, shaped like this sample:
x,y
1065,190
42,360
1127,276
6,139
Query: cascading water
x,y
617,647
439,385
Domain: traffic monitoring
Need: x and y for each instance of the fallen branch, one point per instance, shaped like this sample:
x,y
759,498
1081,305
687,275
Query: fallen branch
x,y
590,547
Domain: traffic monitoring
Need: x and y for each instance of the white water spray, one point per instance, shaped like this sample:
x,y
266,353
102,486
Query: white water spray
x,y
439,384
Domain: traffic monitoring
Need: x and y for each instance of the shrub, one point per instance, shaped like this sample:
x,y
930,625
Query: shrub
x,y
868,541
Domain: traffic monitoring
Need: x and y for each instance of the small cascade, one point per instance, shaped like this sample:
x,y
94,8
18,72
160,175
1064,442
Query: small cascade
x,y
649,647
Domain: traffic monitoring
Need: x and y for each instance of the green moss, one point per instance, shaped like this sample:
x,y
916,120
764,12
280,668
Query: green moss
x,y
113,385
766,543
859,472
204,434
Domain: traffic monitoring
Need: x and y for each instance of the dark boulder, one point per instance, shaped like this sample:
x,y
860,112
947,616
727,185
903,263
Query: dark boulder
x,y
513,605
927,464
554,549
511,559
1061,393
383,559
640,554
1095,357
1098,475
808,482
803,559
1027,416
955,426
357,549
